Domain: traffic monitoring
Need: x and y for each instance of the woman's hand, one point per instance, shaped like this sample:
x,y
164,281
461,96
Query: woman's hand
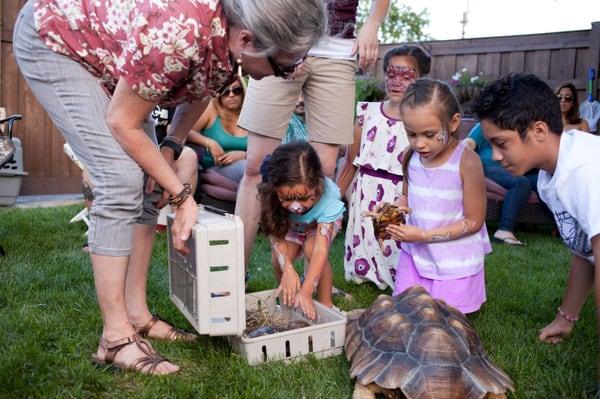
x,y
215,150
405,233
186,215
231,157
289,286
169,156
366,44
304,301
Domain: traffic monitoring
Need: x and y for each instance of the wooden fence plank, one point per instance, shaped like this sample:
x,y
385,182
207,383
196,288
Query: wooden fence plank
x,y
538,63
468,61
489,64
562,64
444,67
2,5
517,62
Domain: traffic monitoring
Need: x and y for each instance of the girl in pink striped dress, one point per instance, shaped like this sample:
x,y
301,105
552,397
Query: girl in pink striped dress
x,y
445,239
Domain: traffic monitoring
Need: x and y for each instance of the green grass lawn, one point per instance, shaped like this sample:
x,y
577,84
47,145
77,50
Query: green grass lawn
x,y
49,324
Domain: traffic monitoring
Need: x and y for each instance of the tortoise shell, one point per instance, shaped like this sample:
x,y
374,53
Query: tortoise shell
x,y
387,214
422,347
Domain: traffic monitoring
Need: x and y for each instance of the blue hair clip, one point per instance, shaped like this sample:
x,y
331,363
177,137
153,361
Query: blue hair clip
x,y
264,168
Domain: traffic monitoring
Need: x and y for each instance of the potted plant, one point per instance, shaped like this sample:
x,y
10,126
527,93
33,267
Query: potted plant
x,y
467,86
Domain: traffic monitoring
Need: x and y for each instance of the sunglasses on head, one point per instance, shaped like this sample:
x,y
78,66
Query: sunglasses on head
x,y
401,71
236,91
283,71
568,98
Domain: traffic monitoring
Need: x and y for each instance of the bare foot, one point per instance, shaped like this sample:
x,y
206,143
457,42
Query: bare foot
x,y
138,355
556,331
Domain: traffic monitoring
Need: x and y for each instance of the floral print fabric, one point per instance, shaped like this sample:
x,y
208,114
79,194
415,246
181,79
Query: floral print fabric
x,y
382,141
168,51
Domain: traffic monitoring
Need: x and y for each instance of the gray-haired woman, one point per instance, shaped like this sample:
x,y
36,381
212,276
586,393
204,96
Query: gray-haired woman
x,y
99,69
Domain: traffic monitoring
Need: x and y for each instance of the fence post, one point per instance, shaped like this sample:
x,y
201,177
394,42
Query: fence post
x,y
595,54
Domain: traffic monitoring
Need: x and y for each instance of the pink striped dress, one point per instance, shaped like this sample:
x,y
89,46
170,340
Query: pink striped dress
x,y
449,270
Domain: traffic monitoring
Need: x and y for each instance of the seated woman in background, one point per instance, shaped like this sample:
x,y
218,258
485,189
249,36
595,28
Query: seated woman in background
x,y
221,144
518,187
569,108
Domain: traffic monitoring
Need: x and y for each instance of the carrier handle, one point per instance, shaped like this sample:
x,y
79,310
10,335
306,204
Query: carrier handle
x,y
216,210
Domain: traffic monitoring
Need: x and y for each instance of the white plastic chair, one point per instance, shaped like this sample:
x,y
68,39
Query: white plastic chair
x,y
83,215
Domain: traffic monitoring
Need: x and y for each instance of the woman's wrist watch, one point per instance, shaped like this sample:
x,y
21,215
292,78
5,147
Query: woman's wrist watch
x,y
172,144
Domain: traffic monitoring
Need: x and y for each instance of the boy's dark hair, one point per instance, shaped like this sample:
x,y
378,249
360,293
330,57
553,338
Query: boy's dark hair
x,y
429,91
423,59
516,101
572,115
293,163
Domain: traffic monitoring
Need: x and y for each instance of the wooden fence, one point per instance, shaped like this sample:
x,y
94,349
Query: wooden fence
x,y
50,171
554,57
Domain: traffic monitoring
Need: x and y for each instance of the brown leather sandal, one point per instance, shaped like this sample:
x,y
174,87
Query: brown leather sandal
x,y
145,364
174,334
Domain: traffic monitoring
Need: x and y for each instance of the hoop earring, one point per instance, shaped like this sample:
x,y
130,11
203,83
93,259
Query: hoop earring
x,y
240,75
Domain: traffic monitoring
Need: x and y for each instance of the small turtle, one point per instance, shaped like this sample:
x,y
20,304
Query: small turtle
x,y
413,346
386,215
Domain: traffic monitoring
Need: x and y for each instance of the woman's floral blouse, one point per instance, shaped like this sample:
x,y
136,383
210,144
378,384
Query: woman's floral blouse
x,y
168,51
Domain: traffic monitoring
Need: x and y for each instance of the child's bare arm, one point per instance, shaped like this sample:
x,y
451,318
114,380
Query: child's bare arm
x,y
349,170
320,253
474,205
318,260
579,284
290,282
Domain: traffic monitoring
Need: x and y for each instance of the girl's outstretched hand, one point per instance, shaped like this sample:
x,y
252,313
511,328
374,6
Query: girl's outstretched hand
x,y
289,286
305,302
405,233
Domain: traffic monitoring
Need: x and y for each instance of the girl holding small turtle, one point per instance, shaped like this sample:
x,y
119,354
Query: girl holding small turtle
x,y
445,239
301,213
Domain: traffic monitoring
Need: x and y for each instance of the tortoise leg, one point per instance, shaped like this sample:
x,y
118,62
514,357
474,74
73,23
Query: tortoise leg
x,y
362,391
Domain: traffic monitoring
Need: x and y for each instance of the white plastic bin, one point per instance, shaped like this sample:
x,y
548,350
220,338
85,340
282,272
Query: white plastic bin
x,y
207,285
324,337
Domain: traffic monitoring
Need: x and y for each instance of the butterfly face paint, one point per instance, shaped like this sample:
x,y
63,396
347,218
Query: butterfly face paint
x,y
398,78
442,137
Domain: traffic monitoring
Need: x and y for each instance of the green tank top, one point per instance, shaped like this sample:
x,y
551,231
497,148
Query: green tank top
x,y
227,141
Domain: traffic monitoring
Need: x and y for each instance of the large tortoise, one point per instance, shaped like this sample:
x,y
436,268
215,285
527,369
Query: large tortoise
x,y
415,346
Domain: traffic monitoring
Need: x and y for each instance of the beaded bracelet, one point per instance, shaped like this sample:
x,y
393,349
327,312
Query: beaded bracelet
x,y
569,318
182,196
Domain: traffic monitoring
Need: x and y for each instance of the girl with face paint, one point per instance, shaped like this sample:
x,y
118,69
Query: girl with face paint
x,y
445,239
379,139
301,214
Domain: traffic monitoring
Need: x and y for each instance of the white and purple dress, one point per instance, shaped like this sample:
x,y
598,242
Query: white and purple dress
x,y
379,179
448,270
